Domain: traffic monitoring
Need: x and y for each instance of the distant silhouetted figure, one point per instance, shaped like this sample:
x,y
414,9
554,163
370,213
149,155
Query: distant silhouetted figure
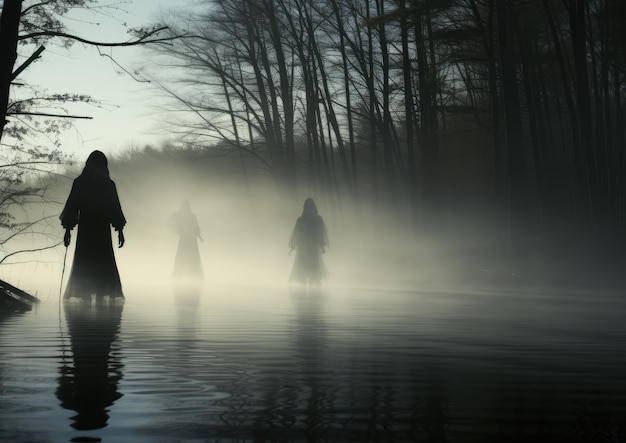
x,y
187,264
309,238
94,206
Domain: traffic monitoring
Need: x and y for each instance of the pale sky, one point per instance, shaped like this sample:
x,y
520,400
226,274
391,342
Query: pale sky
x,y
129,115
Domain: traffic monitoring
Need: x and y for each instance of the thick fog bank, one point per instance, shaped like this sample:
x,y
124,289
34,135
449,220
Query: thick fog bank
x,y
246,224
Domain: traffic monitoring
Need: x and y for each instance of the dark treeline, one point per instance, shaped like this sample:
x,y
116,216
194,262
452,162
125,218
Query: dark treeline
x,y
505,111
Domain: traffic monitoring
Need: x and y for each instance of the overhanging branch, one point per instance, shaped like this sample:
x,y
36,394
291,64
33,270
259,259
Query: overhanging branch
x,y
31,59
144,39
29,250
45,114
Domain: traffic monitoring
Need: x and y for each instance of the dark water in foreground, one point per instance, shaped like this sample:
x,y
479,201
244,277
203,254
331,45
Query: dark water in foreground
x,y
266,364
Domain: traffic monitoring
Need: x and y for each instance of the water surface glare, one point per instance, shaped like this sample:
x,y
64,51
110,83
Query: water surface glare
x,y
339,364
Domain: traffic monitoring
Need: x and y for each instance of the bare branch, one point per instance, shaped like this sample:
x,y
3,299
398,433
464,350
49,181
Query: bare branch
x,y
23,251
123,68
36,5
45,114
25,163
144,39
30,59
25,228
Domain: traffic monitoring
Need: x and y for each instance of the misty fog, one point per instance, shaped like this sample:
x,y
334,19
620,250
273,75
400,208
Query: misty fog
x,y
246,223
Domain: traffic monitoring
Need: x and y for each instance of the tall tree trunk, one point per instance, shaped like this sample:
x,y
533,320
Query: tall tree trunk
x,y
267,124
371,93
9,29
535,157
427,144
488,32
234,123
620,141
576,10
285,95
408,110
390,176
328,100
346,84
516,165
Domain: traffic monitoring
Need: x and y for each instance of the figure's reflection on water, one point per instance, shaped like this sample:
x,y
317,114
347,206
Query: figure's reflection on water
x,y
91,368
352,391
187,295
317,364
309,329
309,339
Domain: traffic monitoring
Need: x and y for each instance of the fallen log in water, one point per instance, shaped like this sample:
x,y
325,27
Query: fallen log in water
x,y
14,299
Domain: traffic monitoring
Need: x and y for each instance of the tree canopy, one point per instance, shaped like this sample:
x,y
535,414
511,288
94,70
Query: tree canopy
x,y
505,111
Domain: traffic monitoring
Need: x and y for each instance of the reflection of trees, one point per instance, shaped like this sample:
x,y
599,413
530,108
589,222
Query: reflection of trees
x,y
355,390
19,404
336,378
3,317
296,400
88,382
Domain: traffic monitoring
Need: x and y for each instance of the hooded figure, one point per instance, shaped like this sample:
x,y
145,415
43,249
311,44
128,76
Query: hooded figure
x,y
309,238
187,264
94,206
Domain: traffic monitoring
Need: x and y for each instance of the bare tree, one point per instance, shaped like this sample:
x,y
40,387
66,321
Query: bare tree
x,y
27,26
431,100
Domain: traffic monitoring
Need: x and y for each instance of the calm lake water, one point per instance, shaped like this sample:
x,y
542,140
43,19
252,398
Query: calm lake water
x,y
261,364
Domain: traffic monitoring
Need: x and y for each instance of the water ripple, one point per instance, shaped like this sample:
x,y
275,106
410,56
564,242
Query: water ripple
x,y
258,364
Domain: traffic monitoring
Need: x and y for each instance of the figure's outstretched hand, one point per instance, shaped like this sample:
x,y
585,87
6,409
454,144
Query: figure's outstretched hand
x,y
67,237
120,238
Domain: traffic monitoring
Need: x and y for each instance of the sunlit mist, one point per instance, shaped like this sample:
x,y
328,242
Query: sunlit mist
x,y
245,226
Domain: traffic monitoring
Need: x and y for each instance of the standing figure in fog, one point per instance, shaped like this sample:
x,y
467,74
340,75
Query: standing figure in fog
x,y
309,238
187,265
94,206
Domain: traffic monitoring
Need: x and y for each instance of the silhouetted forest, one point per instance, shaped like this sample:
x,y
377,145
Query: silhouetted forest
x,y
492,128
503,115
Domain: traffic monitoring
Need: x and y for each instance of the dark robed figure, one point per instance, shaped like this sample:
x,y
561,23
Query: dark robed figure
x,y
309,238
94,206
187,264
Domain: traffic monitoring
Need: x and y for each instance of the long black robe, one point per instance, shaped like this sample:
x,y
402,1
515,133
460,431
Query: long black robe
x,y
187,264
309,237
94,206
